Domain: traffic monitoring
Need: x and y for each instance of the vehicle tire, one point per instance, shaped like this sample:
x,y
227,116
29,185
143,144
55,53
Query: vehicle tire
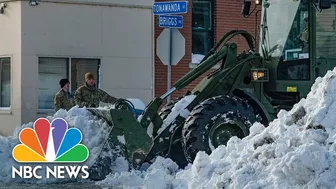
x,y
214,122
176,153
165,111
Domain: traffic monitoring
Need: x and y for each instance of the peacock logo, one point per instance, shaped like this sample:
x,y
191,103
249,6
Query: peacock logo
x,y
50,142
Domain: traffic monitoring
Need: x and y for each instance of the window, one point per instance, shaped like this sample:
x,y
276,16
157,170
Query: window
x,y
288,39
325,41
51,70
5,82
78,69
202,26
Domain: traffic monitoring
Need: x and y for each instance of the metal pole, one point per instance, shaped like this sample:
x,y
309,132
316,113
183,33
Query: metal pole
x,y
170,62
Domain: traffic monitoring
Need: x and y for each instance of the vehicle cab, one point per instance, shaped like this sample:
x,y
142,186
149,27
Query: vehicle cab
x,y
298,42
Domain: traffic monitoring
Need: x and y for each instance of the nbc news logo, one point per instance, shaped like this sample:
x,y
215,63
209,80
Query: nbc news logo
x,y
50,143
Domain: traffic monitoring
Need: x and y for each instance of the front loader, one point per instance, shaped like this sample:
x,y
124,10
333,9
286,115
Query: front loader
x,y
246,88
218,110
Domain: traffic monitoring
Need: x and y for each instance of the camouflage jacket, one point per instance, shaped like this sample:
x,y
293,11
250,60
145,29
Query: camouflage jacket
x,y
63,100
91,96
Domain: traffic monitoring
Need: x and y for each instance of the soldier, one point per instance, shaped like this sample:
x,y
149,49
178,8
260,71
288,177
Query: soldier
x,y
89,95
63,99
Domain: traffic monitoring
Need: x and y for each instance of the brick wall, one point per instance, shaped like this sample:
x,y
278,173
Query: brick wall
x,y
227,17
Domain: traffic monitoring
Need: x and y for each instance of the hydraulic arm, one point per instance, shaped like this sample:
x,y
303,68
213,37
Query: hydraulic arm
x,y
150,114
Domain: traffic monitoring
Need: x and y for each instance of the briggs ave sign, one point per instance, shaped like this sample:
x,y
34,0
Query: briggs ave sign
x,y
170,21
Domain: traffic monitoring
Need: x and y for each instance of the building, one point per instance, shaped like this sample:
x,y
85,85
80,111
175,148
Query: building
x,y
204,24
44,41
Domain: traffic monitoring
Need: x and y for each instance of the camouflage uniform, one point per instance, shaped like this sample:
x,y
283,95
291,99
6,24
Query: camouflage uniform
x,y
62,100
91,96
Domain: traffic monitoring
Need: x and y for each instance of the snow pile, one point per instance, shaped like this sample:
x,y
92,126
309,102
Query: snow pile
x,y
94,131
161,174
297,150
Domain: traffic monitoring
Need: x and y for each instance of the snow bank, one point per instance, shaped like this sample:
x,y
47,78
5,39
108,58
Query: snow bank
x,y
94,132
161,174
297,150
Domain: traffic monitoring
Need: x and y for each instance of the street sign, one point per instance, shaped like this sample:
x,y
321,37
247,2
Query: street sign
x,y
170,45
172,7
170,21
170,50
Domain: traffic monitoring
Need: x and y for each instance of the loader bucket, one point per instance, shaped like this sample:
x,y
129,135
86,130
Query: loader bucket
x,y
127,134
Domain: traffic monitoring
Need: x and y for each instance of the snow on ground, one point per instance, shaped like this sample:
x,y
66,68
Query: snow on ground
x,y
297,150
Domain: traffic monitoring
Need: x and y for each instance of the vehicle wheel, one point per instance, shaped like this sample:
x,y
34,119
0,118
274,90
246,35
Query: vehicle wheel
x,y
214,122
176,153
165,111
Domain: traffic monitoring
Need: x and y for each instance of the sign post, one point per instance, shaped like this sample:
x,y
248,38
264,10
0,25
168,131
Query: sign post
x,y
170,43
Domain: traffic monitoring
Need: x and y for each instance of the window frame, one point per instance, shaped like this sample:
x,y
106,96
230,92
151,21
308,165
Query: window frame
x,y
8,110
69,58
98,71
210,30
